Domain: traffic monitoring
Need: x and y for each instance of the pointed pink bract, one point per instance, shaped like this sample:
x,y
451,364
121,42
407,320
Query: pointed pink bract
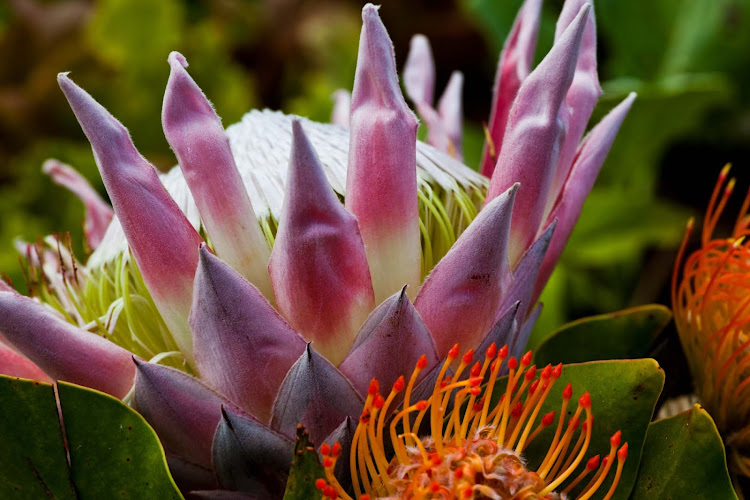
x,y
243,348
512,69
98,213
63,351
381,181
194,131
460,298
318,266
534,137
162,240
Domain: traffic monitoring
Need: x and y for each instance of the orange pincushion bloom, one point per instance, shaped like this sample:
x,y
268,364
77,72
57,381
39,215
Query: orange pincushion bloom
x,y
711,302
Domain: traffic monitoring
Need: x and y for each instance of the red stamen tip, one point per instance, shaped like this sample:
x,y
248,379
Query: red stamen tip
x,y
495,365
378,402
374,387
623,453
517,410
531,373
337,449
533,386
604,461
503,352
320,483
325,449
476,369
614,441
364,496
468,492
330,492
492,351
593,462
434,486
468,357
568,391
458,473
574,423
548,418
398,385
476,391
479,404
547,372
585,400
328,462
421,405
365,417
557,371
453,353
422,362
512,363
475,381
526,359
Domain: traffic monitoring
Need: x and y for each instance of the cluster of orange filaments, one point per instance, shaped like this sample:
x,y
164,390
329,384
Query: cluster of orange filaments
x,y
474,452
712,312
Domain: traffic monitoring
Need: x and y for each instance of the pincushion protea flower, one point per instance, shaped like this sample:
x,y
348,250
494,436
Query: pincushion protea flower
x,y
232,316
475,451
710,301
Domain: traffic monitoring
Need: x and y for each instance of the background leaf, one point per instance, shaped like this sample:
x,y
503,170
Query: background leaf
x,y
683,457
622,334
113,451
623,396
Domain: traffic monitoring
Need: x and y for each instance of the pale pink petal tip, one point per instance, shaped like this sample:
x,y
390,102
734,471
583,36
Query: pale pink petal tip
x,y
98,213
232,323
196,135
162,240
419,71
589,159
534,135
513,67
63,351
342,104
318,266
459,300
381,182
450,109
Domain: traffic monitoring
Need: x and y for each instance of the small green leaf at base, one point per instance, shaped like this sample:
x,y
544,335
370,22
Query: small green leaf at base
x,y
306,469
683,457
625,334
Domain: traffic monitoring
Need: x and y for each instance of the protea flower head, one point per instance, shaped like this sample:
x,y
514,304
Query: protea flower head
x,y
477,452
710,301
252,299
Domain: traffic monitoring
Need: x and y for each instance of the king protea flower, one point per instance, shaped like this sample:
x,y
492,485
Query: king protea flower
x,y
253,299
710,301
477,449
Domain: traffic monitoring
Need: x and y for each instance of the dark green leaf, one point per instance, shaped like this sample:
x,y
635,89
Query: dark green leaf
x,y
113,451
619,335
306,469
683,457
623,396
32,462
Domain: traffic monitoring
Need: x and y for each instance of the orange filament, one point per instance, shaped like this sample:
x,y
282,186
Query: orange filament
x,y
465,455
711,302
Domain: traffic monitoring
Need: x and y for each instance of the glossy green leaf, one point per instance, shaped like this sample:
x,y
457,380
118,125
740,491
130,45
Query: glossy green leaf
x,y
683,457
623,396
113,451
32,462
622,334
306,469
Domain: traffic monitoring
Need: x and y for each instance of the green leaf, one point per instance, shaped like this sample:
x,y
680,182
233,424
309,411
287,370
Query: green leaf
x,y
32,462
683,457
305,470
623,396
113,451
622,334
